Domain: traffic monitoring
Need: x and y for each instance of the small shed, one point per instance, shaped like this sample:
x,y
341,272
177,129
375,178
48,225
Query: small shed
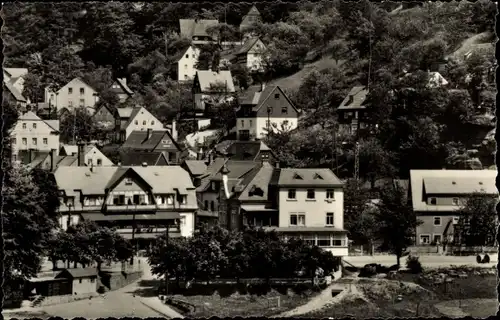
x,y
83,280
47,286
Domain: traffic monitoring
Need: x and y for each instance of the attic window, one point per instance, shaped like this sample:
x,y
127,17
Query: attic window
x,y
128,181
453,182
480,183
297,176
317,176
276,96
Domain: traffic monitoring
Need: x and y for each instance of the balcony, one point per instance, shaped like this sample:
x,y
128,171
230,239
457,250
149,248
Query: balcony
x,y
130,207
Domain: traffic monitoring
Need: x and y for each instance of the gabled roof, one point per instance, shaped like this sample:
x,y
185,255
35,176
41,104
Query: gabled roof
x,y
123,84
247,46
441,182
79,79
54,124
242,150
256,97
195,28
16,72
138,140
125,112
253,11
78,273
207,78
29,116
138,158
15,93
162,179
261,182
119,174
308,177
196,167
133,114
180,54
358,94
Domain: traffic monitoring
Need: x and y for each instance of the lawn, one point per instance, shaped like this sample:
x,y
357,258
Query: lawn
x,y
244,305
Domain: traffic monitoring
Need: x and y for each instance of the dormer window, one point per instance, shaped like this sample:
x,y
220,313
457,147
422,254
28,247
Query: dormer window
x,y
433,201
297,176
317,176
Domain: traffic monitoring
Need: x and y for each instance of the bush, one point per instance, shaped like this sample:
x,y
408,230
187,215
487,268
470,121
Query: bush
x,y
478,259
414,265
368,270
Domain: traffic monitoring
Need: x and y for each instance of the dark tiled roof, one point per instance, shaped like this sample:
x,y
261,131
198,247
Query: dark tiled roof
x,y
138,140
237,169
196,167
79,272
195,28
358,95
138,158
241,150
259,181
247,46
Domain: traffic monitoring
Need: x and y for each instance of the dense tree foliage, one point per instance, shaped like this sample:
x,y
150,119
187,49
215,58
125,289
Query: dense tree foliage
x,y
216,252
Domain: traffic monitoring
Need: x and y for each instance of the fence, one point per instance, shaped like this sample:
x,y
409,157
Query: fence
x,y
365,250
450,250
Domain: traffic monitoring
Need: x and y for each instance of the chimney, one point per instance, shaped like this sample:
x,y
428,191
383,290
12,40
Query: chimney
x,y
52,156
81,155
173,131
262,86
150,132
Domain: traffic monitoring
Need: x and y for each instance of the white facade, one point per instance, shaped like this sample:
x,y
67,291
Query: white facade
x,y
255,56
258,126
186,64
143,121
96,158
187,224
32,133
75,93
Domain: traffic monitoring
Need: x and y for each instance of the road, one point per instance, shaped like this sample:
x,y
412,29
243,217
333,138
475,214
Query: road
x,y
119,303
427,261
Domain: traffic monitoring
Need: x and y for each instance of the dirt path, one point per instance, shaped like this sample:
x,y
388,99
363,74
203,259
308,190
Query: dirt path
x,y
324,298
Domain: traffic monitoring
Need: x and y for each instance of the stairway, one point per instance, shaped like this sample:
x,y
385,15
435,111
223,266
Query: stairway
x,y
36,302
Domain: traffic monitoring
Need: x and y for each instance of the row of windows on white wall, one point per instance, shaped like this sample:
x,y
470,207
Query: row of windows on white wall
x,y
311,194
144,122
34,141
323,240
299,219
82,91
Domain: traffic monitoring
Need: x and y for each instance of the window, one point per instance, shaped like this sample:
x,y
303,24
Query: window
x,y
330,194
329,218
90,162
25,141
310,193
437,221
437,239
152,122
92,280
82,102
170,199
455,201
214,186
91,201
99,162
70,102
324,241
144,123
136,122
185,66
284,110
433,201
206,205
45,141
34,125
298,219
250,121
276,96
183,199
424,239
455,220
212,206
82,91
187,55
291,194
80,281
24,125
183,221
34,141
128,181
70,90
242,123
136,199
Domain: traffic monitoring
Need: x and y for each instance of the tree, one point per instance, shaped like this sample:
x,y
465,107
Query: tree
x,y
478,220
374,161
76,125
396,220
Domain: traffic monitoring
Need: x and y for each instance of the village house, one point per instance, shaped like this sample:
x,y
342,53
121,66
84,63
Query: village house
x,y
196,169
256,151
436,195
251,54
69,155
33,133
139,158
196,30
262,109
75,93
154,141
121,89
15,77
211,88
83,280
105,116
185,64
12,94
74,281
253,16
353,110
141,201
128,120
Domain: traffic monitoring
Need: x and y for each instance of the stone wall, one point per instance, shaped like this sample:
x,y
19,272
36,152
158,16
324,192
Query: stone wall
x,y
116,280
47,301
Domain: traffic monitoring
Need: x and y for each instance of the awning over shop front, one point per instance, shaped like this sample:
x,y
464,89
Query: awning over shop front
x,y
257,208
160,215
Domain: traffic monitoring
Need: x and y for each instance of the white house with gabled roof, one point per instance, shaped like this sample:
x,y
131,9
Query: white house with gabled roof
x,y
76,93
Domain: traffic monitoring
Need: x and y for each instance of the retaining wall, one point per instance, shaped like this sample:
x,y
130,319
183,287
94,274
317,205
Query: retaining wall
x,y
47,301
